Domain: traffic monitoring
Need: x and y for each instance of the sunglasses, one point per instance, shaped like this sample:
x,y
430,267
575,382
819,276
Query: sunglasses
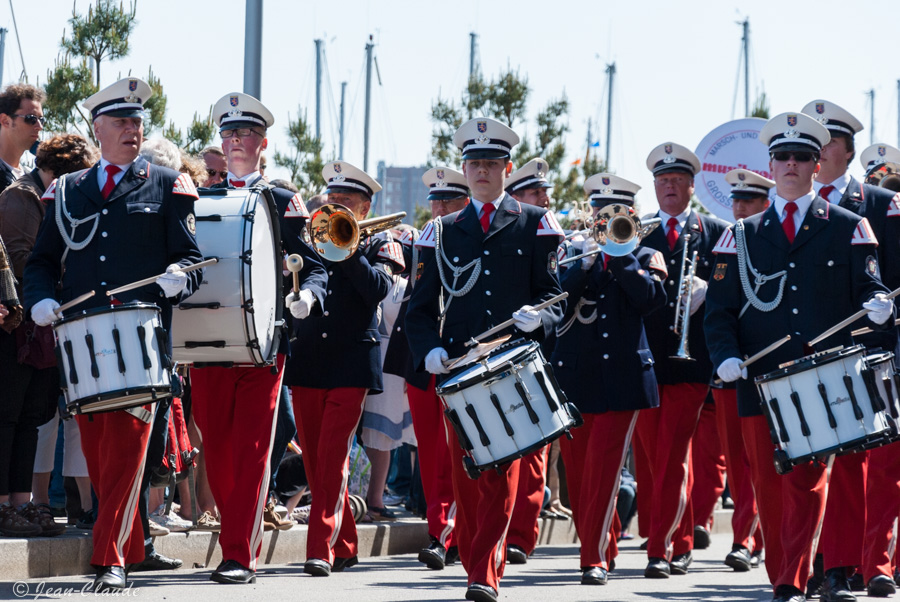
x,y
239,132
31,119
212,173
798,156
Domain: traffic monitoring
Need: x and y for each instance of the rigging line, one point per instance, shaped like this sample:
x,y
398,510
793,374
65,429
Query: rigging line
x,y
737,80
332,108
24,74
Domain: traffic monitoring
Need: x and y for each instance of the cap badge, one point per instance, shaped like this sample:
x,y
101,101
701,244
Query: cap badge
x,y
440,174
741,177
482,139
605,181
792,133
235,113
233,100
337,168
132,84
881,151
668,149
820,108
131,98
740,186
606,191
792,120
669,159
338,178
481,125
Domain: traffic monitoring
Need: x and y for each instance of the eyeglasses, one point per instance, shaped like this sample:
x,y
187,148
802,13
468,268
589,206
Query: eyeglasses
x,y
239,132
32,119
212,173
798,156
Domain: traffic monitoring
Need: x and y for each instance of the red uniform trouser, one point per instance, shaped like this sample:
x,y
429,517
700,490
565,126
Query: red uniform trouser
x,y
707,466
483,511
841,542
790,506
115,447
882,508
665,434
326,425
594,458
745,519
642,474
434,462
235,410
523,527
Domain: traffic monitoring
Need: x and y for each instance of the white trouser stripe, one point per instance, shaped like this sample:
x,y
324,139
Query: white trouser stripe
x,y
339,505
451,523
134,495
614,492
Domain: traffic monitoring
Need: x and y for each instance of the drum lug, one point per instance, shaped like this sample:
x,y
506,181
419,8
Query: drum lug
x,y
248,306
575,413
471,470
246,257
783,464
250,217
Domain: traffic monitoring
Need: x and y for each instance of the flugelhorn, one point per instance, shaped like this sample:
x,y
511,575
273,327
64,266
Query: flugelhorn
x,y
682,324
618,231
335,233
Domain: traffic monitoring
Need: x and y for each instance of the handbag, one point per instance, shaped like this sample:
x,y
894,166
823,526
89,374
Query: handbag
x,y
36,345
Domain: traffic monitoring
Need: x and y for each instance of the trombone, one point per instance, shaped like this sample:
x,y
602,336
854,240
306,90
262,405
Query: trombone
x,y
335,233
618,231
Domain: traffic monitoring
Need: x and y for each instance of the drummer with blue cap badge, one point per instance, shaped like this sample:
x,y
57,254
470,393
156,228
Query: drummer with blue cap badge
x,y
813,264
137,221
498,260
603,362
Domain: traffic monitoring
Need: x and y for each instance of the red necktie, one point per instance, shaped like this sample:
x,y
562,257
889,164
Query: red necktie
x,y
788,224
672,235
111,171
826,190
237,183
486,211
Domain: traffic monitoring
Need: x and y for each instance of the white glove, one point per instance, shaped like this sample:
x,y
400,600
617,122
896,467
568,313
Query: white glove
x,y
300,304
527,319
730,370
699,294
577,241
588,262
173,281
880,309
44,312
434,361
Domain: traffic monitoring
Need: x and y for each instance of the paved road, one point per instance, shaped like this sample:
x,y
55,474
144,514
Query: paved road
x,y
551,574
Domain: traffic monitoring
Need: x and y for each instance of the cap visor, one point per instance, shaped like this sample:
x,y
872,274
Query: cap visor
x,y
445,196
605,202
124,113
338,188
794,146
673,169
485,154
233,125
747,196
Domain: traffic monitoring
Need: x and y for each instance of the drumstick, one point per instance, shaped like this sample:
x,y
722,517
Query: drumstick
x,y
152,279
294,265
511,321
846,322
74,302
867,329
759,355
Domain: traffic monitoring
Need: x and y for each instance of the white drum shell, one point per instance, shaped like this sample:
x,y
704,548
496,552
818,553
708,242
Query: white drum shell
x,y
230,334
882,365
112,389
823,440
526,436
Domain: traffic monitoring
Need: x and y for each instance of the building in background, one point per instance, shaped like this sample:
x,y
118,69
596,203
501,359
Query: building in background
x,y
402,190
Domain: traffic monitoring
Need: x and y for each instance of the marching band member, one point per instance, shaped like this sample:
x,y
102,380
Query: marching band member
x,y
881,162
844,528
529,185
149,211
825,257
749,196
603,362
329,383
503,254
235,408
448,193
663,442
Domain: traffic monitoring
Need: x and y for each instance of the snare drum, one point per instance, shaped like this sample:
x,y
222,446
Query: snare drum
x,y
235,316
886,381
112,358
823,404
506,406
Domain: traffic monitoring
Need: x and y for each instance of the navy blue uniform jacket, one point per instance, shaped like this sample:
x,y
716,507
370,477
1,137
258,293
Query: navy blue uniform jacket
x,y
828,279
518,267
606,365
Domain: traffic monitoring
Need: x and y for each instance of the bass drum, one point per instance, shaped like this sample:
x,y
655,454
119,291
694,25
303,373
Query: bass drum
x,y
235,317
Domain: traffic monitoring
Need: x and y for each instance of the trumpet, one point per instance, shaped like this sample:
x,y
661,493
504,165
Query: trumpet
x,y
335,233
618,231
682,324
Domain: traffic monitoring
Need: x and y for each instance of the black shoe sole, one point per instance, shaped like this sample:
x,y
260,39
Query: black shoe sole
x,y
431,560
316,570
218,578
586,580
338,567
655,574
739,565
477,595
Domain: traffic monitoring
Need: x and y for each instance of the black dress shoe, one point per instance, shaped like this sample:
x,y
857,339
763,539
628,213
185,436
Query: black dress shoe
x,y
680,563
881,586
815,581
434,556
481,593
232,571
657,568
836,588
317,568
516,555
595,575
154,562
701,537
452,556
856,582
344,563
739,559
109,579
755,559
644,544
787,593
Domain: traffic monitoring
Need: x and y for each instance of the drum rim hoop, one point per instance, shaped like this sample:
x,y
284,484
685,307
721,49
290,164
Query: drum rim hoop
x,y
163,391
96,311
445,387
815,360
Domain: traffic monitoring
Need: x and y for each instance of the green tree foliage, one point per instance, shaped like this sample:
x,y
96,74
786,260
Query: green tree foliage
x,y
155,106
446,118
422,217
305,157
101,34
67,85
761,108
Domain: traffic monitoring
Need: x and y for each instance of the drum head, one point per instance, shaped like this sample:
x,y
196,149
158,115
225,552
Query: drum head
x,y
810,361
511,352
105,310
